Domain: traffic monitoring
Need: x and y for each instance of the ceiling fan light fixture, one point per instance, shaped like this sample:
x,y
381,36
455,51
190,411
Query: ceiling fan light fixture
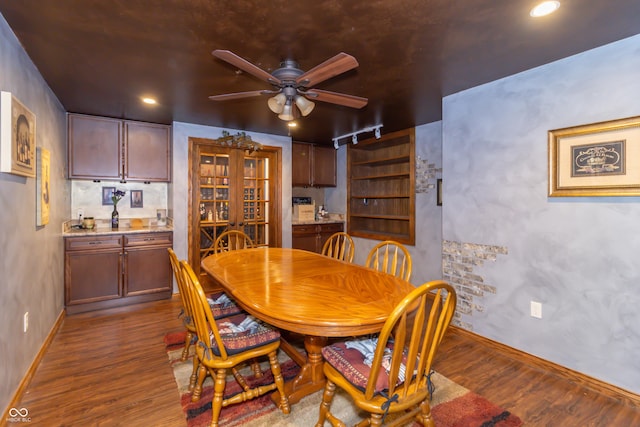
x,y
287,112
305,106
277,103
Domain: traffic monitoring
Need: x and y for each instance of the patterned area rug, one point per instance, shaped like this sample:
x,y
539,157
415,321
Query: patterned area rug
x,y
452,405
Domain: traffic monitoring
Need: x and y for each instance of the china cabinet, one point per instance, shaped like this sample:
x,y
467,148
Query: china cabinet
x,y
232,188
381,188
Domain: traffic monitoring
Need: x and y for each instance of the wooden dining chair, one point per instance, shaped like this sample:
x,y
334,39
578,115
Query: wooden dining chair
x,y
339,246
232,240
392,258
226,344
218,309
382,375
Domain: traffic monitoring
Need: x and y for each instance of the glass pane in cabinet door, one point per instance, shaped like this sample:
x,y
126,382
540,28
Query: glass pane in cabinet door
x,y
255,174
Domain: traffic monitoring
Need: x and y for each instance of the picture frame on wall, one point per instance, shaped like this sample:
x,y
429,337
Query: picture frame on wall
x,y
600,159
17,137
107,193
136,198
43,184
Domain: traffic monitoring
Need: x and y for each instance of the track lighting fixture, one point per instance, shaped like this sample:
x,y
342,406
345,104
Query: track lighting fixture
x,y
354,135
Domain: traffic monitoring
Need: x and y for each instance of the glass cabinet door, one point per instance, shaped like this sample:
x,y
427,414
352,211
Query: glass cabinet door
x,y
256,200
231,189
214,192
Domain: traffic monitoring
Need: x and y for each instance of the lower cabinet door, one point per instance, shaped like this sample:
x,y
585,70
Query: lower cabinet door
x,y
148,270
92,276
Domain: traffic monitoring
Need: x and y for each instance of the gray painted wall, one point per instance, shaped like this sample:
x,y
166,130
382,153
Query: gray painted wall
x,y
577,256
31,257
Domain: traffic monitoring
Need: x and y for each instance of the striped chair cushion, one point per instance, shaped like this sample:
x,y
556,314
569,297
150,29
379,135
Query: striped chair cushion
x,y
222,305
242,332
355,366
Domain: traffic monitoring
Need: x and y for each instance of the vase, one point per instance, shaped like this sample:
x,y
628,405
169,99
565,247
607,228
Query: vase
x,y
115,218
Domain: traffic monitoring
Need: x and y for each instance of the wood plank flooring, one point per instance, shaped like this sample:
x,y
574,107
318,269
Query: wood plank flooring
x,y
109,368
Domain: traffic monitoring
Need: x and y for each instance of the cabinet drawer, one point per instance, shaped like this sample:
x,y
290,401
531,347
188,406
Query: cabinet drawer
x,y
331,228
148,239
93,242
304,229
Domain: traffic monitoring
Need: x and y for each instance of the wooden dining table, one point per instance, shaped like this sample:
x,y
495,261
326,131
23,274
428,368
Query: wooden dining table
x,y
309,294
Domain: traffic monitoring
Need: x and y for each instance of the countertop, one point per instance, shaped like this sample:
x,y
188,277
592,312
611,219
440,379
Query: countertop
x,y
103,228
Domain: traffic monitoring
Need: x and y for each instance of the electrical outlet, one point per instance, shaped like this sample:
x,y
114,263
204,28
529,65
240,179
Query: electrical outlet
x,y
536,309
25,322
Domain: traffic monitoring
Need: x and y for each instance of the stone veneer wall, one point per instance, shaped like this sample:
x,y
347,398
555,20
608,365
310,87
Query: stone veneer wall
x,y
459,262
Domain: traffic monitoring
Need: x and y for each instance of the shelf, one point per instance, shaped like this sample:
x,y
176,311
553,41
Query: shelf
x,y
381,216
383,161
382,171
383,176
382,196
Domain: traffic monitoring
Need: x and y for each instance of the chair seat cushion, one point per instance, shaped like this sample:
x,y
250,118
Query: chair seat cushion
x,y
243,332
222,305
348,358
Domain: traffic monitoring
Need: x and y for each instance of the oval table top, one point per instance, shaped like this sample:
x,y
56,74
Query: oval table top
x,y
306,292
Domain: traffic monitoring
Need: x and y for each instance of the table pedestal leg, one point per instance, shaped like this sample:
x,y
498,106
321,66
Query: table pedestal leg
x,y
311,377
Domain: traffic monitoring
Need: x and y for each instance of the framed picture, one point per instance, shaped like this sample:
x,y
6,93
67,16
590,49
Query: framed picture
x,y
43,181
601,159
17,137
136,198
107,193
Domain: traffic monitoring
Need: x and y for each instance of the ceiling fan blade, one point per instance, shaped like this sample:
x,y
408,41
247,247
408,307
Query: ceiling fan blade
x,y
339,64
238,95
337,98
246,66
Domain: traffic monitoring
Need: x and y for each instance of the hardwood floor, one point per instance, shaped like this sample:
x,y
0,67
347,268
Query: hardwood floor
x,y
110,368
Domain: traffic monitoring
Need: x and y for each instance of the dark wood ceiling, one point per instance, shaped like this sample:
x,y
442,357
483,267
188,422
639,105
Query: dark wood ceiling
x,y
101,56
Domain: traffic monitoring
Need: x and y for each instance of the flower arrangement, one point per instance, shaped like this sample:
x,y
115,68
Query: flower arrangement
x,y
117,196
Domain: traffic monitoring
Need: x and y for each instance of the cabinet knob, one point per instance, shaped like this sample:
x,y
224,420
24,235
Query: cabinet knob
x,y
232,224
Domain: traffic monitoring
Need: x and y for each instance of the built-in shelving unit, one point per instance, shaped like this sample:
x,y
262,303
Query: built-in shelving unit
x,y
381,188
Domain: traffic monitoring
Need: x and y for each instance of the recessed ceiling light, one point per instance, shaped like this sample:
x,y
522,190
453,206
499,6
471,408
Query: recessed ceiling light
x,y
149,101
544,8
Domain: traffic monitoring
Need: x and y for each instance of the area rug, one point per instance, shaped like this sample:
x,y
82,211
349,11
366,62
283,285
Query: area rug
x,y
451,406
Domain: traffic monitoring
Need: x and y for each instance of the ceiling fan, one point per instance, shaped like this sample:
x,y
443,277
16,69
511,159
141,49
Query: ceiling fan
x,y
292,86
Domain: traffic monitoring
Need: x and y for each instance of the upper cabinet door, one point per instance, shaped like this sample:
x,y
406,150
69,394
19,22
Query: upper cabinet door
x,y
112,149
324,166
94,148
301,165
147,149
312,165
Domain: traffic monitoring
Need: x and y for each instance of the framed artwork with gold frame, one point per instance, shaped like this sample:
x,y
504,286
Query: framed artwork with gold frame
x,y
600,159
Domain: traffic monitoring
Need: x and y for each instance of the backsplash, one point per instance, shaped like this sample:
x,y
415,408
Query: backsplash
x,y
87,195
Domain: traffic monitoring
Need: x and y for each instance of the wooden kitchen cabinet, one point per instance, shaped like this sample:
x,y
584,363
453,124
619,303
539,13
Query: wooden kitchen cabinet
x,y
311,237
313,165
147,266
106,271
102,148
